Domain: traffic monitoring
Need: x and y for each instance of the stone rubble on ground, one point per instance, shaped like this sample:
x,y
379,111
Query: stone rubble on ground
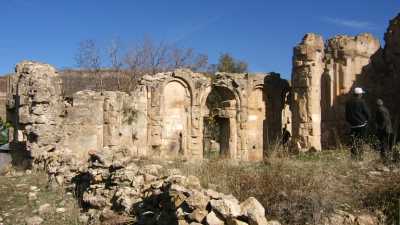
x,y
44,209
112,186
35,220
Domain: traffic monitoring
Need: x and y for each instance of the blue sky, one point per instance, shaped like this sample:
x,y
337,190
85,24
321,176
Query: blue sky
x,y
261,32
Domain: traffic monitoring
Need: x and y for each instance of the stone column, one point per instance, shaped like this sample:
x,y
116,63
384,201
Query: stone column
x,y
308,68
37,103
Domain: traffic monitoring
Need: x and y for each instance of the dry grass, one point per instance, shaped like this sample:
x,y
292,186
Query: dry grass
x,y
302,189
15,205
295,189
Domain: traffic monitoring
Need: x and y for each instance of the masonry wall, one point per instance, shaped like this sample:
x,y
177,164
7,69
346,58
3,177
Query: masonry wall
x,y
306,80
163,117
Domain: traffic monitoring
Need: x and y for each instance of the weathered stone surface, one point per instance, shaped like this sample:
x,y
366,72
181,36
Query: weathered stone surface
x,y
227,207
308,68
253,209
44,209
366,220
212,219
274,222
197,200
36,220
164,199
198,215
236,222
346,60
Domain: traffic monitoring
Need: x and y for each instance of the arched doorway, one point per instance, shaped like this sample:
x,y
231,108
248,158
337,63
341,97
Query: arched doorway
x,y
256,124
220,124
176,118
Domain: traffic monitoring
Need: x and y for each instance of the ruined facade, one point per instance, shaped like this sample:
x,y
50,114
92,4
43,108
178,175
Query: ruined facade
x,y
194,116
324,74
177,114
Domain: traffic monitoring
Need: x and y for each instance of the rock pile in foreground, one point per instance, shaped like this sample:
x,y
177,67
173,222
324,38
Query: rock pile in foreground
x,y
110,188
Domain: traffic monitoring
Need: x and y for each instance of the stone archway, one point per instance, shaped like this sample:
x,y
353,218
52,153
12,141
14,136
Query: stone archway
x,y
176,119
220,124
256,125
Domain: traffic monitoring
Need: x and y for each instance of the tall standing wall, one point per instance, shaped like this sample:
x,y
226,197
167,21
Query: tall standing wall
x,y
306,85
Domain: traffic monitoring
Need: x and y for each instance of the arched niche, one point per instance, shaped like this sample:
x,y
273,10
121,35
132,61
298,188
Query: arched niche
x,y
176,115
220,113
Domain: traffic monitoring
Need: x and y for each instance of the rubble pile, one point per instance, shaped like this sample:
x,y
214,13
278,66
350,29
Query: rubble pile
x,y
111,188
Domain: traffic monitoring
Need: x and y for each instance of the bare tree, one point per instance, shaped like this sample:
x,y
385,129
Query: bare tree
x,y
88,58
187,58
146,57
88,55
114,54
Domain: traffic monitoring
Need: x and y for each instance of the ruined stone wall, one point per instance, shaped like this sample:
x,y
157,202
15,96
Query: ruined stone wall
x,y
83,124
382,76
308,67
4,83
113,120
174,110
163,117
35,108
345,61
323,76
391,81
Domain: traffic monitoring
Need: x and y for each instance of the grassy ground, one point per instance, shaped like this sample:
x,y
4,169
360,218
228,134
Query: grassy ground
x,y
294,189
302,189
15,205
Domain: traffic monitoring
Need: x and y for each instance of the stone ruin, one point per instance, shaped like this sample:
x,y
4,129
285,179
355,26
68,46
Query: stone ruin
x,y
192,116
324,74
182,114
89,142
178,114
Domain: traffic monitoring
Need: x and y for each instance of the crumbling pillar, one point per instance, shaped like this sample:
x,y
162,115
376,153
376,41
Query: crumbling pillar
x,y
308,68
37,104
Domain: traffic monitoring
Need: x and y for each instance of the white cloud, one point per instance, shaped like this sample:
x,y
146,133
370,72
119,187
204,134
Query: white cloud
x,y
355,24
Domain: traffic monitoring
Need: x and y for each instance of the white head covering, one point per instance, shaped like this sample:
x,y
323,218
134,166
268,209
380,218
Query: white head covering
x,y
358,91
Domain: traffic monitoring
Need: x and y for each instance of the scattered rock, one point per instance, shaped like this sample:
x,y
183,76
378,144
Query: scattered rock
x,y
61,210
44,209
198,215
32,196
253,209
212,219
226,207
366,220
375,173
34,188
36,220
83,218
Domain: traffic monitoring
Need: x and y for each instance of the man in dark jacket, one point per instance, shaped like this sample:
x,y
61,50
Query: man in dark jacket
x,y
357,115
384,129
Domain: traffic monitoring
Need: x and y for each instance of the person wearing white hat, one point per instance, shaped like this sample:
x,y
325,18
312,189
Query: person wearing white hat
x,y
357,116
